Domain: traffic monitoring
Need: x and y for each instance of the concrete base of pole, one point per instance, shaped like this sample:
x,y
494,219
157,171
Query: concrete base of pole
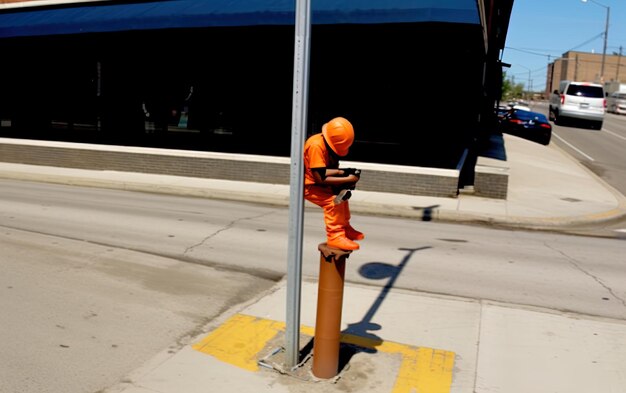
x,y
329,306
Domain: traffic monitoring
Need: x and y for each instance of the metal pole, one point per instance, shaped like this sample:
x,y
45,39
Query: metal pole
x,y
606,36
329,307
296,180
528,84
619,60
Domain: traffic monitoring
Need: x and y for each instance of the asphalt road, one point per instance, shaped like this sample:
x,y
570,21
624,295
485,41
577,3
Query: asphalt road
x,y
94,282
446,258
77,316
604,152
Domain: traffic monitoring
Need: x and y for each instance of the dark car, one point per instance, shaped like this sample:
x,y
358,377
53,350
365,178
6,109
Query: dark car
x,y
501,111
529,125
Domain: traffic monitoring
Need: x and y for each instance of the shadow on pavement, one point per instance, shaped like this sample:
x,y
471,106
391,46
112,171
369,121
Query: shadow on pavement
x,y
365,327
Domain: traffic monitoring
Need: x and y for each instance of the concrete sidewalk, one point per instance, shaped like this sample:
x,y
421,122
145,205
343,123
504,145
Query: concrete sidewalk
x,y
395,340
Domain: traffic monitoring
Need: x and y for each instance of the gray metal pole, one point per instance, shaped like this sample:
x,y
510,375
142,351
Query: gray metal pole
x,y
619,60
606,36
296,200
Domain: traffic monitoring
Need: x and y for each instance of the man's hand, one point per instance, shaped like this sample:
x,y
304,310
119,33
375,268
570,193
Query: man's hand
x,y
351,171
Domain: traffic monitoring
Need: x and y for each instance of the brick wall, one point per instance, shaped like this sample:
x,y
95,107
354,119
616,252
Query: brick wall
x,y
275,170
492,178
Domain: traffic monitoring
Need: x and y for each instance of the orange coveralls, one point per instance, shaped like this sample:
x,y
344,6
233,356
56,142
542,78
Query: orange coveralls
x,y
336,217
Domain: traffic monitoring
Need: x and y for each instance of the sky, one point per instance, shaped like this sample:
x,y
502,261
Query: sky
x,y
542,30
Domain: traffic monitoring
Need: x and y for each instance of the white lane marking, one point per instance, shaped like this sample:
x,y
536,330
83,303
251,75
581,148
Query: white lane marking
x,y
574,147
614,134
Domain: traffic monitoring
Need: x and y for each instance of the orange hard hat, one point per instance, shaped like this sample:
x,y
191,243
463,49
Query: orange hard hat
x,y
339,135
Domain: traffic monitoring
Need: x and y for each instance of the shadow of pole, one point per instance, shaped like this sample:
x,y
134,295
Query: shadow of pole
x,y
364,328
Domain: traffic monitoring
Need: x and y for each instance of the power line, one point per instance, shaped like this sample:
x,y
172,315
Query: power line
x,y
548,55
586,42
528,51
537,71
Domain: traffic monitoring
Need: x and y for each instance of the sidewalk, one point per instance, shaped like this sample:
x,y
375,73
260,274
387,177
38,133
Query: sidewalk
x,y
444,344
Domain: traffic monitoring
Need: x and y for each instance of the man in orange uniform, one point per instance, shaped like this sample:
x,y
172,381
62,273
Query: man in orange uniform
x,y
321,162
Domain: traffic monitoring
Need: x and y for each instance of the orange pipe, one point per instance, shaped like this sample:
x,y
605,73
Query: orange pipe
x,y
329,305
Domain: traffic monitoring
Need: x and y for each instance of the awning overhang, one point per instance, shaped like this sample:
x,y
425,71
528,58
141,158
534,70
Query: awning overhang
x,y
144,15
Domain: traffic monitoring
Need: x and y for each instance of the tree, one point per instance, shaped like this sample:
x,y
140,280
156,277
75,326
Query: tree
x,y
510,90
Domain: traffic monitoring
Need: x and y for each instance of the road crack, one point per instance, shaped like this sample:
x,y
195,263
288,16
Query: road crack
x,y
576,265
224,228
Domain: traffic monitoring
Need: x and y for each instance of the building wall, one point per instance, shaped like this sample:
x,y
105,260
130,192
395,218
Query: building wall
x,y
392,81
584,66
132,88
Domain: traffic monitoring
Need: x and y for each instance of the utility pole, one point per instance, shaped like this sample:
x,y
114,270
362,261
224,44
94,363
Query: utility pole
x,y
606,34
528,87
619,58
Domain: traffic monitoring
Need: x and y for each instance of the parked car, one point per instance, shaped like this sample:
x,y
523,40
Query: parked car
x,y
523,105
578,101
616,103
502,110
533,126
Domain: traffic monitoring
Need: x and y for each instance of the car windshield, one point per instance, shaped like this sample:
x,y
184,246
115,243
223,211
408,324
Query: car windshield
x,y
585,91
621,96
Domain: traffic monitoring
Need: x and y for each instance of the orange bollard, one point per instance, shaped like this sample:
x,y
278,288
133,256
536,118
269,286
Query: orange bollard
x,y
329,305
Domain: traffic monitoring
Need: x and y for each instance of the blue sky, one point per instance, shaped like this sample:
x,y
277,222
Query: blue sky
x,y
542,28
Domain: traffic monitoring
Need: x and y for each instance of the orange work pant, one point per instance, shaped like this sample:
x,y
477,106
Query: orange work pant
x,y
336,217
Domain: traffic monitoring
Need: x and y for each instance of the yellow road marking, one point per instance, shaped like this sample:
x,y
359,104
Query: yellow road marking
x,y
240,339
425,370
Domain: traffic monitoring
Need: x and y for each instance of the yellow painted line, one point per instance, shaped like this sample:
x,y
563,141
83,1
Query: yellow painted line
x,y
425,370
240,339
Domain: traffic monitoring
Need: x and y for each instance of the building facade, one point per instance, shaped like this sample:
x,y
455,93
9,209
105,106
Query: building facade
x,y
217,76
585,66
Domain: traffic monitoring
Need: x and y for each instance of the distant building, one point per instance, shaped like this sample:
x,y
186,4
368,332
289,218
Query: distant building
x,y
584,66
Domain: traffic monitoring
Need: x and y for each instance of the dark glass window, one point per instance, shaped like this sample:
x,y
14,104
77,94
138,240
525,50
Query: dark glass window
x,y
585,91
526,115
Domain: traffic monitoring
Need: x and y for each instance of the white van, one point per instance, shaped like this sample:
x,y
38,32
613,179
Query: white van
x,y
581,101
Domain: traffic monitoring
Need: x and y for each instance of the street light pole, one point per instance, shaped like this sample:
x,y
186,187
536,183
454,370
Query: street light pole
x,y
606,34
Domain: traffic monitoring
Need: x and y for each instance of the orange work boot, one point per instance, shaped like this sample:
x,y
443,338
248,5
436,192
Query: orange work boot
x,y
353,234
342,243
